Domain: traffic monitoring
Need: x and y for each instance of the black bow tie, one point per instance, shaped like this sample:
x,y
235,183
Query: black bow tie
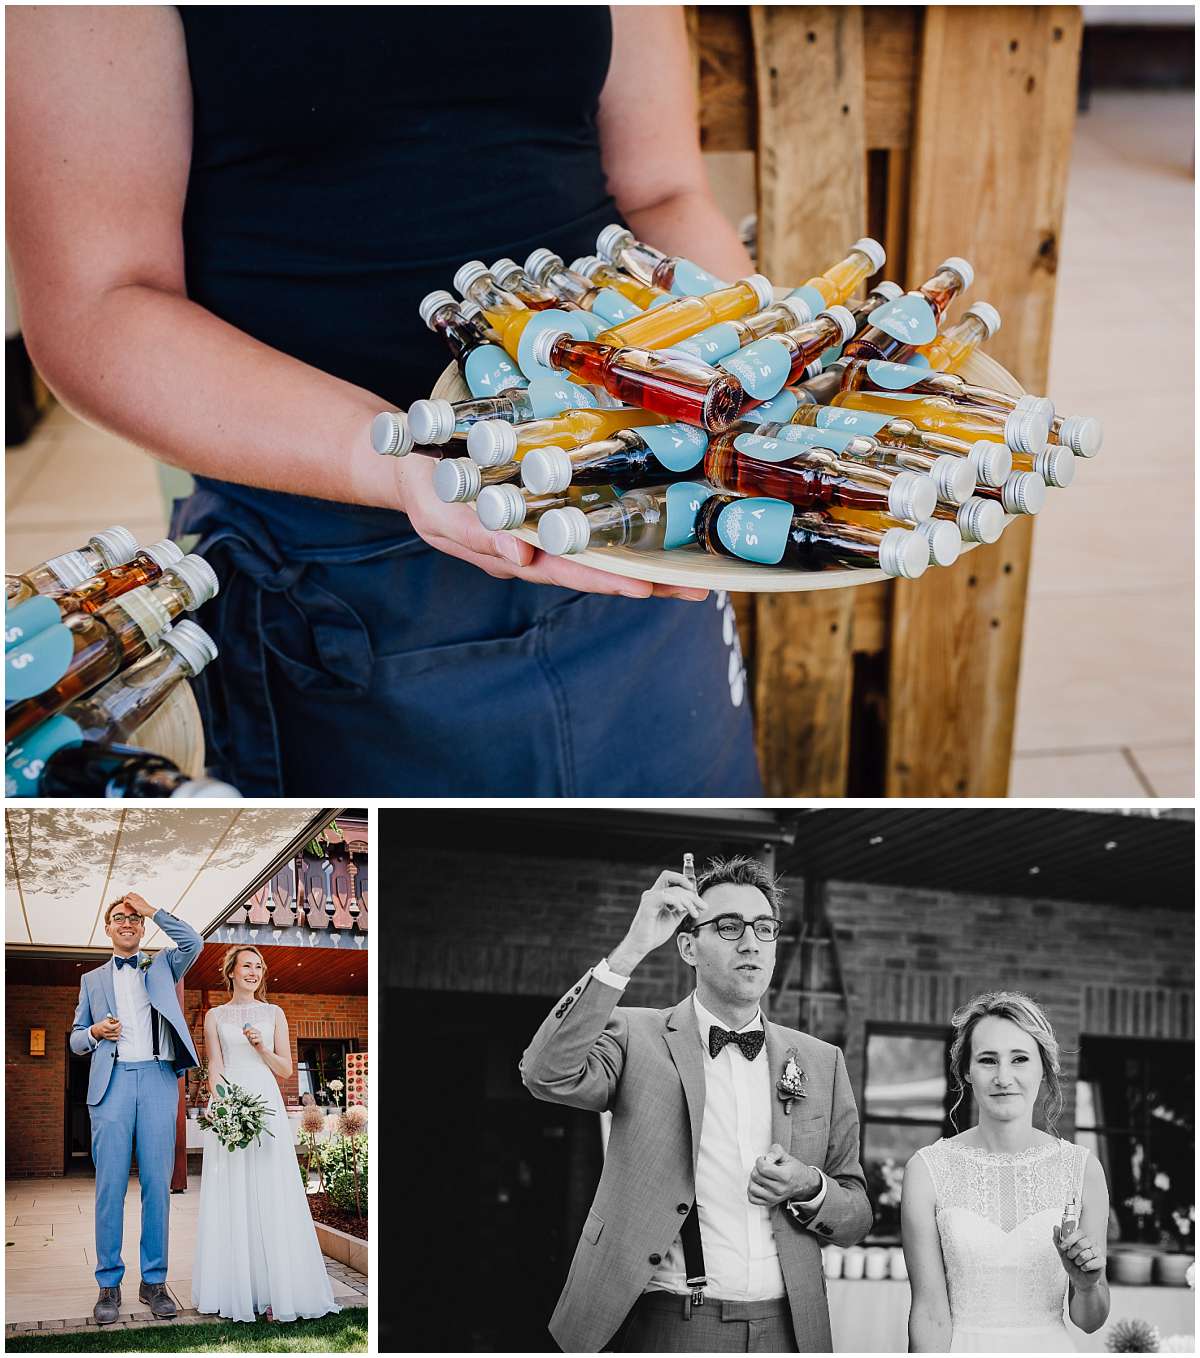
x,y
126,961
750,1043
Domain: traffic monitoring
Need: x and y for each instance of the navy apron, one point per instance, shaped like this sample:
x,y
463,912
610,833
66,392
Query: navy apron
x,y
356,660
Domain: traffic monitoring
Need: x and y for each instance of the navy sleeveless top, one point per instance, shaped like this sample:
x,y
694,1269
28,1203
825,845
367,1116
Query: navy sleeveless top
x,y
346,161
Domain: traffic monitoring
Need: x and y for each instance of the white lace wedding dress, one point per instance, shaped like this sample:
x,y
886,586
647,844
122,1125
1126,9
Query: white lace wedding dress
x,y
995,1214
255,1242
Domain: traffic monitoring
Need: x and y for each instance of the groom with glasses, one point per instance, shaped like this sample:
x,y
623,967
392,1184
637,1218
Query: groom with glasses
x,y
733,1152
130,1023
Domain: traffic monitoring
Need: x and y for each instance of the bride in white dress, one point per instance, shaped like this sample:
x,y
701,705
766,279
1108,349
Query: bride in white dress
x,y
256,1248
992,1262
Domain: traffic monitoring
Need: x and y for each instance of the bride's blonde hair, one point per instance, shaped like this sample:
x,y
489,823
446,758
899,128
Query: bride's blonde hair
x,y
1028,1015
229,961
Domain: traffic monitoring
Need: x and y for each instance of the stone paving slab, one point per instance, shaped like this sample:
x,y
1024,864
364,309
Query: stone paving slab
x,y
142,1319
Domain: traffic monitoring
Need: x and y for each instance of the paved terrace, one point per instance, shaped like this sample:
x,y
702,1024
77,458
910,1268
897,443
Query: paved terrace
x,y
50,1257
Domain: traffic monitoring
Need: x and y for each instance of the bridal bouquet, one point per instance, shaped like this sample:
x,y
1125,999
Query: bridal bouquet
x,y
236,1117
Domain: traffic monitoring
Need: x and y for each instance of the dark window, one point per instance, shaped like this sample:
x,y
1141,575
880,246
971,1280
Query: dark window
x,y
906,1105
319,1062
1134,1110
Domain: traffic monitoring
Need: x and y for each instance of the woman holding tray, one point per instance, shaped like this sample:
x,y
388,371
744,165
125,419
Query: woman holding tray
x,y
221,223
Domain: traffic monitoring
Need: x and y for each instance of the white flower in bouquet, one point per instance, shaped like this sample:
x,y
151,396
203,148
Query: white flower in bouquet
x,y
236,1117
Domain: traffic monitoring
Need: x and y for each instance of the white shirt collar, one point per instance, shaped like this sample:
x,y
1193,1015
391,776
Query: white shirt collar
x,y
707,1021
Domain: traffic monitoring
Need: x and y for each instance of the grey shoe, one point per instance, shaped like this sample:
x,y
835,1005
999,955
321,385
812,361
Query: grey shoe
x,y
156,1296
108,1305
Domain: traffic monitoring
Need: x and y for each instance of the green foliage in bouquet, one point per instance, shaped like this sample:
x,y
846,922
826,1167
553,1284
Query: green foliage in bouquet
x,y
236,1117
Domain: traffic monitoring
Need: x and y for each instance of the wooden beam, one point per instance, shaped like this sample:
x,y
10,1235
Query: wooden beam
x,y
808,64
726,75
994,119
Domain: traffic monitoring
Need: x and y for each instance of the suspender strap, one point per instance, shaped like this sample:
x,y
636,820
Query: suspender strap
x,y
693,1258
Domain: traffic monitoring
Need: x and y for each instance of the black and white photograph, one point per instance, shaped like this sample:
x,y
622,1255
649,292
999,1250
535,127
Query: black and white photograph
x,y
789,1080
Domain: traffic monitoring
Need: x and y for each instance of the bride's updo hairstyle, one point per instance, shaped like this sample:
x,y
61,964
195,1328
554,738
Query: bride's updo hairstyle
x,y
1028,1016
229,961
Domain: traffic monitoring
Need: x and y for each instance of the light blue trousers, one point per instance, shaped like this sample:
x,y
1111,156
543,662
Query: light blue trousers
x,y
139,1108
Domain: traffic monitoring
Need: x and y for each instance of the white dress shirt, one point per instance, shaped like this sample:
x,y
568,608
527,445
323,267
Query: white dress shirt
x,y
740,1257
135,1012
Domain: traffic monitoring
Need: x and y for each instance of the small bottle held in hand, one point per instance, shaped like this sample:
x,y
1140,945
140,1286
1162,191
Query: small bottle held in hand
x,y
1070,1219
689,869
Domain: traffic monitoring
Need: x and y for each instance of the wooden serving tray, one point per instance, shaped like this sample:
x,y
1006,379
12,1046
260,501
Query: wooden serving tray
x,y
693,567
175,731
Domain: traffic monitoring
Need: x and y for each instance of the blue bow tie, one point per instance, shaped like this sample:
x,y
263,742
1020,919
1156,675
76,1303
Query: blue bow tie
x,y
126,961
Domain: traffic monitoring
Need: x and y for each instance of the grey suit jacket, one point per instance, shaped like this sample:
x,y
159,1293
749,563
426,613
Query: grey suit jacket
x,y
647,1067
97,998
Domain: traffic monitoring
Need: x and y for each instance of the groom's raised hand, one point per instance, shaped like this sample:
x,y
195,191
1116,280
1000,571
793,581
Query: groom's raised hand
x,y
136,902
778,1177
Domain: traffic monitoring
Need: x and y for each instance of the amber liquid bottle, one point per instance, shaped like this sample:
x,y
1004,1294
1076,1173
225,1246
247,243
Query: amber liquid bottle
x,y
727,337
91,770
619,246
813,542
976,520
687,316
114,637
444,316
1022,493
114,712
1022,432
512,278
855,376
841,280
958,342
101,589
508,314
113,547
952,277
492,443
597,270
811,478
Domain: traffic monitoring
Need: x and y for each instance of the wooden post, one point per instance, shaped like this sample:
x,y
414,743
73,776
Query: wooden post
x,y
808,64
992,137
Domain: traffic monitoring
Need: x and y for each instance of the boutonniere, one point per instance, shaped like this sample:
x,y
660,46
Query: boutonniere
x,y
144,963
790,1085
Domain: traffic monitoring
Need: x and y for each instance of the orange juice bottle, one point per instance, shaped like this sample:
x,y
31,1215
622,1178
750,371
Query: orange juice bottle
x,y
507,314
492,442
667,325
958,342
597,270
1023,431
841,280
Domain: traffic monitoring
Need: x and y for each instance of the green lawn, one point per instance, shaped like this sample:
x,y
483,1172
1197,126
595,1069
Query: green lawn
x,y
343,1333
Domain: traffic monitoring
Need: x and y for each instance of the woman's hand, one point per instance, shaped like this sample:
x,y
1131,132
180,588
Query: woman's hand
x,y
456,530
1083,1260
254,1037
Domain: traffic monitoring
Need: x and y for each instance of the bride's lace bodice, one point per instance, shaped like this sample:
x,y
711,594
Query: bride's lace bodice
x,y
995,1214
238,1056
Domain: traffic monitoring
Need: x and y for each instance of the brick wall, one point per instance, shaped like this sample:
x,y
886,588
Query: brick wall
x,y
517,924
35,1086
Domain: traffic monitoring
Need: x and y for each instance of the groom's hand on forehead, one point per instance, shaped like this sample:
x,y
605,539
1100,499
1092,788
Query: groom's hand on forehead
x,y
135,904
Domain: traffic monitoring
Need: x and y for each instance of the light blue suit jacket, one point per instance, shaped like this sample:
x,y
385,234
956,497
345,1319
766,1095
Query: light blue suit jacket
x,y
97,998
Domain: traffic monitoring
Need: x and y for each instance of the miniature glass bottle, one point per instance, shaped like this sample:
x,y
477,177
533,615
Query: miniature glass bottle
x,y
898,327
146,567
958,342
667,325
113,547
503,508
91,770
606,303
619,246
841,280
643,295
492,443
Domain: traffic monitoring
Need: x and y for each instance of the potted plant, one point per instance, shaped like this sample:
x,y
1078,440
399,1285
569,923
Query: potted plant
x,y
199,1077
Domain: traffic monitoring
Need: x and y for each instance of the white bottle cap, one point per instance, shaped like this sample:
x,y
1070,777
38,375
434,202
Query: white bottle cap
x,y
814,369
432,303
545,471
390,436
500,507
889,290
431,421
987,314
502,268
912,496
456,479
954,477
197,577
873,251
1042,403
192,643
960,267
843,318
492,442
164,554
903,553
564,531
469,273
541,262
799,308
944,539
980,520
1083,434
1056,466
1026,431
544,341
992,462
586,265
115,545
1023,493
763,289
196,789
611,239
472,310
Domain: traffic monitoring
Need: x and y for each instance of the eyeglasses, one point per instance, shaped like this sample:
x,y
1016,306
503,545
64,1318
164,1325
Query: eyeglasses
x,y
732,927
124,919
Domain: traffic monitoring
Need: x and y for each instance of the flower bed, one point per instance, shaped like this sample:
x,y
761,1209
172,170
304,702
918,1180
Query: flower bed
x,y
328,1214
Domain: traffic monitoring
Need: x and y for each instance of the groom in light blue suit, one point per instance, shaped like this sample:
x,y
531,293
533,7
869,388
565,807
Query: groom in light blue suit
x,y
130,1022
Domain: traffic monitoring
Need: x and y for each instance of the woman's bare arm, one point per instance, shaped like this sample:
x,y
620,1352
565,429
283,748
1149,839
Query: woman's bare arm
x,y
99,125
650,141
929,1324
